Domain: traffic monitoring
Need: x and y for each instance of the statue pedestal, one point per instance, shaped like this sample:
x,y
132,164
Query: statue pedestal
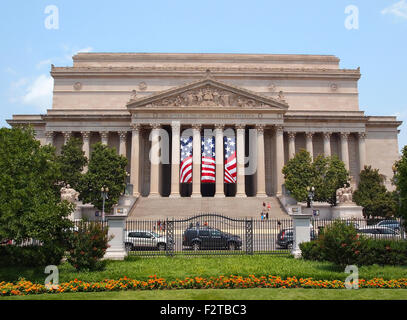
x,y
347,211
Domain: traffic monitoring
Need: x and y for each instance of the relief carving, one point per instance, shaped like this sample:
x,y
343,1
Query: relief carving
x,y
208,96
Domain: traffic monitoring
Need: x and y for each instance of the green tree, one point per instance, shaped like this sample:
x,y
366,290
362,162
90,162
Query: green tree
x,y
325,174
330,175
106,169
373,196
298,175
400,180
30,203
72,161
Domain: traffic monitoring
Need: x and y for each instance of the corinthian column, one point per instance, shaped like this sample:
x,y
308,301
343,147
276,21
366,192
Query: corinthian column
x,y
175,160
345,149
219,161
49,138
327,144
86,146
155,160
240,153
279,159
196,161
67,135
123,140
308,142
104,137
135,159
362,150
291,145
261,165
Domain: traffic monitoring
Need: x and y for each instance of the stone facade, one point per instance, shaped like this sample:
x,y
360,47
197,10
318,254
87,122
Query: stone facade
x,y
290,101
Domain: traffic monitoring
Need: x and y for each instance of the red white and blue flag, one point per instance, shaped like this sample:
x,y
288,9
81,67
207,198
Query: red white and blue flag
x,y
186,160
230,159
208,160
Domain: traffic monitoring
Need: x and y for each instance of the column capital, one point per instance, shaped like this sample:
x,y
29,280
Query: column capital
x,y
85,135
362,135
155,125
327,135
240,126
309,134
136,127
260,128
67,134
176,125
49,134
345,135
279,129
104,134
219,126
291,135
123,135
197,126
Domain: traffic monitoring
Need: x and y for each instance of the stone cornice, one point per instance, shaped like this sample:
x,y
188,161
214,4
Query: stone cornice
x,y
182,71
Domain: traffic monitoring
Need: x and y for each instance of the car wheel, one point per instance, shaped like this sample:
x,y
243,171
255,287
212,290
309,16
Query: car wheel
x,y
128,247
196,246
232,246
290,246
161,246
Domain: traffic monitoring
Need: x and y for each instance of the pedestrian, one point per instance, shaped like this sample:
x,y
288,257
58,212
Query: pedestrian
x,y
267,215
261,217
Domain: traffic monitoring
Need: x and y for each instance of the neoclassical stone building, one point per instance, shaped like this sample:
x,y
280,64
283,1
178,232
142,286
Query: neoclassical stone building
x,y
292,101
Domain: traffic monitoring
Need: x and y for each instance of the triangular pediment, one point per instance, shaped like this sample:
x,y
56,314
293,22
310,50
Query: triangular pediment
x,y
208,93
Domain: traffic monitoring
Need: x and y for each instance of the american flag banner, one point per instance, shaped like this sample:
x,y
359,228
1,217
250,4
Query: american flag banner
x,y
230,159
208,160
186,160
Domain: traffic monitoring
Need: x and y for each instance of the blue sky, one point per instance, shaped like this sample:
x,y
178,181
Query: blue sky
x,y
378,46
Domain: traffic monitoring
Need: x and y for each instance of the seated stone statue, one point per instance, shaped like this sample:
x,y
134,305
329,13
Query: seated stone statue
x,y
69,194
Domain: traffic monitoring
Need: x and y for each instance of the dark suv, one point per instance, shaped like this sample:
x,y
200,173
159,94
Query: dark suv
x,y
286,237
210,238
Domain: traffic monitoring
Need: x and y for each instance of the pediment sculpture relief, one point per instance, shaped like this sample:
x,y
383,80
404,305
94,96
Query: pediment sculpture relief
x,y
208,96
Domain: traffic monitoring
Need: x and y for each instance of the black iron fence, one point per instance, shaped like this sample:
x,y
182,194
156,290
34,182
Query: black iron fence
x,y
206,234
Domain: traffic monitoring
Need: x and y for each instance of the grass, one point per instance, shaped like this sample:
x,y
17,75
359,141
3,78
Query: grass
x,y
228,294
181,267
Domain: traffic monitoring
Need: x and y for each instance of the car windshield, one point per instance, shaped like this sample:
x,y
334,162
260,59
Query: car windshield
x,y
156,235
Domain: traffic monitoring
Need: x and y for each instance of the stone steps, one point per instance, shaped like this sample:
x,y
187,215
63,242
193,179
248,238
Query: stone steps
x,y
183,207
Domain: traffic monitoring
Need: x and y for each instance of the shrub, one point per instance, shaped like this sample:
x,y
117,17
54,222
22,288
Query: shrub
x,y
87,246
341,244
311,251
384,252
30,256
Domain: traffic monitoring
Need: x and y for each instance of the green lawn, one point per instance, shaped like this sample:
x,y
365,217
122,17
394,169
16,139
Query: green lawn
x,y
229,294
181,267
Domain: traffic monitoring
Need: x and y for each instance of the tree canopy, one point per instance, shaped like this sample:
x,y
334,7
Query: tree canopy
x,y
30,203
106,169
373,196
400,181
72,161
325,174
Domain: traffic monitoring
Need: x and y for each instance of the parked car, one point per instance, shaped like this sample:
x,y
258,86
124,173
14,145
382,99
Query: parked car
x,y
142,239
285,238
393,224
379,232
210,238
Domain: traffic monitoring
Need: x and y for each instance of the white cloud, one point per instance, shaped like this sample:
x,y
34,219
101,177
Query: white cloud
x,y
398,9
39,93
42,63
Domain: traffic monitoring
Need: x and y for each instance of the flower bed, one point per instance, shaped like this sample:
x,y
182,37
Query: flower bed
x,y
24,287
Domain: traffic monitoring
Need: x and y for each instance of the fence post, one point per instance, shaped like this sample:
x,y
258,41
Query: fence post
x,y
301,232
169,233
117,225
249,236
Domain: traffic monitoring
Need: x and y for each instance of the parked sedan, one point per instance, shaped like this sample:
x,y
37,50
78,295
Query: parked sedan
x,y
393,224
379,232
144,240
285,238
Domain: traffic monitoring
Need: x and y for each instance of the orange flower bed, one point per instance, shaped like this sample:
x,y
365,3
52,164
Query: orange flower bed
x,y
24,287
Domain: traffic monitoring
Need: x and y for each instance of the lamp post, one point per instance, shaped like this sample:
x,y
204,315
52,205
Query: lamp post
x,y
311,194
105,191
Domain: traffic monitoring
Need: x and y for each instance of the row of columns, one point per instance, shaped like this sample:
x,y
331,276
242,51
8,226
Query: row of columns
x,y
327,146
240,156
